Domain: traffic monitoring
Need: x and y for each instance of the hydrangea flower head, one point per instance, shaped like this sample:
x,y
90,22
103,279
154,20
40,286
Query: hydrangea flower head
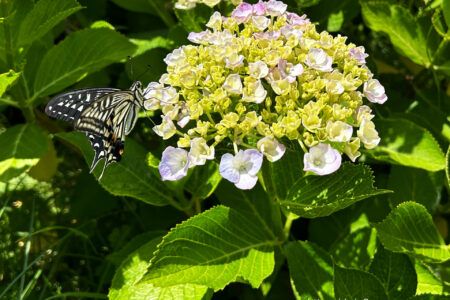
x,y
256,82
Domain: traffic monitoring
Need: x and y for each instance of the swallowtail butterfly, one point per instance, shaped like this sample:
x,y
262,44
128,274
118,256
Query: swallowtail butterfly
x,y
107,115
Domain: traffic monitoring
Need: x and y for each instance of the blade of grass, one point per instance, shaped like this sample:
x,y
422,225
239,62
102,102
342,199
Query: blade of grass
x,y
27,251
79,294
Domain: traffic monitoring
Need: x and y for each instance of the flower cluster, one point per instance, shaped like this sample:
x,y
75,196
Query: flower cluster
x,y
257,80
188,4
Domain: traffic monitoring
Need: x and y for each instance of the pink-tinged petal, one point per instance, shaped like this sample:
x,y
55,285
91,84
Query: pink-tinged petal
x,y
242,12
183,122
374,91
174,164
227,169
199,37
296,20
322,159
246,182
358,54
275,8
259,9
268,35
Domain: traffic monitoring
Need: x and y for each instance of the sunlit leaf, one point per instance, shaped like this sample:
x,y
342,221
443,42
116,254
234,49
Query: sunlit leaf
x,y
82,52
409,229
44,16
408,36
405,143
213,249
7,79
318,196
427,281
311,270
22,147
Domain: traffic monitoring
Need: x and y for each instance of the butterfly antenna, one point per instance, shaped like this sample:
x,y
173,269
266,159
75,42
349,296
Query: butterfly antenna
x,y
131,66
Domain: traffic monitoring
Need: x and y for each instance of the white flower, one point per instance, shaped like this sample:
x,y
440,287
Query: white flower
x,y
358,54
211,3
242,168
259,9
322,159
158,95
200,37
374,91
267,35
185,4
242,12
234,61
260,22
289,31
166,129
296,20
363,112
368,135
275,8
271,148
258,69
339,131
215,21
334,87
200,152
254,92
289,71
319,60
176,58
233,84
174,164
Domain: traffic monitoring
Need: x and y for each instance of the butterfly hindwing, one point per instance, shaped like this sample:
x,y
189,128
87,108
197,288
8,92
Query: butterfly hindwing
x,y
70,105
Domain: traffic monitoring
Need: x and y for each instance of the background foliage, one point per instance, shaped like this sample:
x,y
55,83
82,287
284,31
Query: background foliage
x,y
64,235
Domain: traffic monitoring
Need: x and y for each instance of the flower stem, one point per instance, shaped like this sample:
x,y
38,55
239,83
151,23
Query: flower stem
x,y
287,225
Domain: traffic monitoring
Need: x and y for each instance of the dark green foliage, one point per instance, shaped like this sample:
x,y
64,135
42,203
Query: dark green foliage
x,y
377,229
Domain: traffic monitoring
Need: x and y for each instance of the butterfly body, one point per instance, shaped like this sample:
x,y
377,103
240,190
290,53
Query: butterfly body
x,y
107,115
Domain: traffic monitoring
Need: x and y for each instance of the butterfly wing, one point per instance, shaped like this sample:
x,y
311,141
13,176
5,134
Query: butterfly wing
x,y
70,105
103,122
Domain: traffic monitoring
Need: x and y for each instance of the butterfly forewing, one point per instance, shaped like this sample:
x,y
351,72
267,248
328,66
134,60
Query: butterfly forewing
x,y
69,106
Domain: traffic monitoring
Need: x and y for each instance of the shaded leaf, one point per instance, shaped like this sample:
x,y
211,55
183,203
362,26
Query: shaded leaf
x,y
311,270
7,79
318,196
140,6
44,16
80,53
447,165
356,284
415,185
396,273
409,229
408,36
47,165
405,143
333,14
22,147
214,248
203,180
194,20
130,177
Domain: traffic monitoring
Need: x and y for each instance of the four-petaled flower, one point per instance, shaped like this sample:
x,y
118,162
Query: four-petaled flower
x,y
322,159
242,168
174,164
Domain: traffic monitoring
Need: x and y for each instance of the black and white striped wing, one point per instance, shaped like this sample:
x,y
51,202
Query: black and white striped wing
x,y
70,105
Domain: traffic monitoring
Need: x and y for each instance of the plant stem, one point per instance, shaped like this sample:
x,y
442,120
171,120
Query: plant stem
x,y
287,225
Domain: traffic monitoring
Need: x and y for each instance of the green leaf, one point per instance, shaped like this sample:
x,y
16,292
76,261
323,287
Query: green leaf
x,y
214,248
44,16
125,282
356,284
408,36
415,185
254,204
356,249
407,144
140,6
446,11
427,281
396,273
447,165
81,53
281,175
130,177
409,229
47,165
194,20
144,45
333,14
319,196
7,79
22,147
203,180
311,270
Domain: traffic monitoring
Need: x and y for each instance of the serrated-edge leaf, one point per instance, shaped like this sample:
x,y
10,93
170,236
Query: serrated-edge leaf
x,y
303,197
30,32
54,75
357,284
418,242
250,257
